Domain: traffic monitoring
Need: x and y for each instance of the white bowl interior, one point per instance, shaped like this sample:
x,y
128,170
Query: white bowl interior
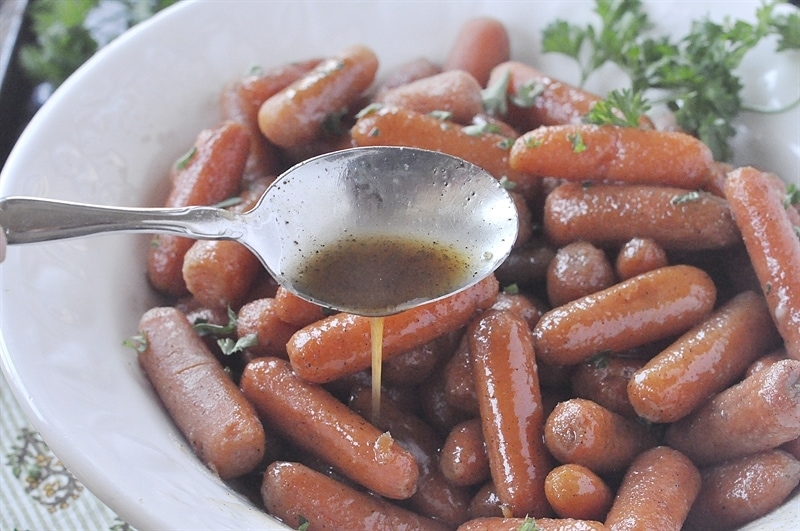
x,y
108,136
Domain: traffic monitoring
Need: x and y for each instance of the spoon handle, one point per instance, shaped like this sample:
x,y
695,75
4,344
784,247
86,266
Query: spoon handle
x,y
30,220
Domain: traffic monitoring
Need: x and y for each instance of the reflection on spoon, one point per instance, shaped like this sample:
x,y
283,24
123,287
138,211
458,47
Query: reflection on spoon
x,y
371,231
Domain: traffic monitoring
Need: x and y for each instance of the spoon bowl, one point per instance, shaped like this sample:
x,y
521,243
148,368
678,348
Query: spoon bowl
x,y
455,222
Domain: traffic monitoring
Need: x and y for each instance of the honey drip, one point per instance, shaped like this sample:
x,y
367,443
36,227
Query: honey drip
x,y
376,333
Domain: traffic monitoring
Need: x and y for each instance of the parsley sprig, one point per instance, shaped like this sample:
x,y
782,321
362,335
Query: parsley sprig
x,y
696,73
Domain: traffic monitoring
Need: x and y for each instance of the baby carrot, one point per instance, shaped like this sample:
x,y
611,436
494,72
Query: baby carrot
x,y
704,361
200,396
314,420
656,493
581,432
340,344
481,44
738,491
210,172
297,494
295,115
574,491
555,103
643,309
512,417
759,413
617,154
675,218
773,245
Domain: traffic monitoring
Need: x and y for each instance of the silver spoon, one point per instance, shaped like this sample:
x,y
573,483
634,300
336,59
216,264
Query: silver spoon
x,y
459,220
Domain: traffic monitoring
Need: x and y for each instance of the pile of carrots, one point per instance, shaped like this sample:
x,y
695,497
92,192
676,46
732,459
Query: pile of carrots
x,y
634,362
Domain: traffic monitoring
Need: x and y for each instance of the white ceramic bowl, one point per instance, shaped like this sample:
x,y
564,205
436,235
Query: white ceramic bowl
x,y
108,136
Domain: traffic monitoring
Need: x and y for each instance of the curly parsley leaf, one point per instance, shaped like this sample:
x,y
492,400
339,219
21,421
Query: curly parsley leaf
x,y
697,72
622,108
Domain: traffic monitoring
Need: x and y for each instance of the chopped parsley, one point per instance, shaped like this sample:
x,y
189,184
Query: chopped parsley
x,y
184,161
528,525
576,139
137,343
689,197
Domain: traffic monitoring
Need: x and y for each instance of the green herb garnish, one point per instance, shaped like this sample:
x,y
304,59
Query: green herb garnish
x,y
182,162
528,525
576,139
495,96
792,196
689,197
622,108
137,343
696,73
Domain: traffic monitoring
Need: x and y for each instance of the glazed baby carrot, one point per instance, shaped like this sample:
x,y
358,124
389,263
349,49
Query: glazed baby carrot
x,y
392,126
297,494
574,491
617,154
455,92
435,496
773,245
512,417
604,380
296,311
314,420
207,174
578,269
581,432
219,273
656,493
200,396
761,412
405,73
554,103
260,318
639,255
539,524
675,218
480,45
463,458
459,381
703,361
241,101
340,344
739,491
414,365
295,115
643,309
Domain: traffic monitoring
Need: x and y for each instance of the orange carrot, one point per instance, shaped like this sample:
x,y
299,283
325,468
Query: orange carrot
x,y
656,493
675,218
773,245
578,269
295,115
481,44
340,344
314,420
200,396
616,154
210,172
704,361
297,494
737,492
510,403
455,92
574,491
646,308
759,413
581,432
